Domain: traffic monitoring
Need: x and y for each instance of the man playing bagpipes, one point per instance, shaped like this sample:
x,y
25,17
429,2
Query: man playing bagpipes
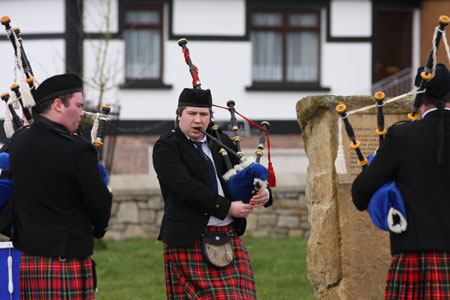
x,y
204,256
415,155
60,201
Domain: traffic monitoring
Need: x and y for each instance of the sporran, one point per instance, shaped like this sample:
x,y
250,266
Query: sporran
x,y
217,248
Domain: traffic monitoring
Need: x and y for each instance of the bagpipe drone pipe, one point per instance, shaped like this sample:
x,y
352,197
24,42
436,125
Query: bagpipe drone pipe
x,y
20,98
248,176
386,207
22,94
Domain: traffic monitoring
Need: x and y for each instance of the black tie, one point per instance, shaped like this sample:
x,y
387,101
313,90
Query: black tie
x,y
208,164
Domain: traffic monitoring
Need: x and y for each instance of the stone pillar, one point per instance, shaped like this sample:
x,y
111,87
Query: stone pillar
x,y
348,257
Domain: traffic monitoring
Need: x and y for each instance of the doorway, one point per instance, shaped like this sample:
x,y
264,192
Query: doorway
x,y
393,43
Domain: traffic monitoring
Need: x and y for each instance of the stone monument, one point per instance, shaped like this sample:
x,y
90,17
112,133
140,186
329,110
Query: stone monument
x,y
348,257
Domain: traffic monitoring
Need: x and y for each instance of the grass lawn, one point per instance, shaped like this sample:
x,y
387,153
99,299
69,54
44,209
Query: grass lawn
x,y
134,269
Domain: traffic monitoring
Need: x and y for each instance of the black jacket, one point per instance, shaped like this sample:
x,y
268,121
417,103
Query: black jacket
x,y
60,200
408,155
188,198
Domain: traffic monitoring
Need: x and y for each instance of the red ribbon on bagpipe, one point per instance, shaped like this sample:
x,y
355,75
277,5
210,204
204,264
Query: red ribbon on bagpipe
x,y
195,79
192,68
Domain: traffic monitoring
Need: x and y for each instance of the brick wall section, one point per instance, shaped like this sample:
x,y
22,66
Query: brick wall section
x,y
131,155
279,141
139,215
431,10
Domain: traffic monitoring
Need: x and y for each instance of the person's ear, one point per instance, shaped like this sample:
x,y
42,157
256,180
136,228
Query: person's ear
x,y
58,104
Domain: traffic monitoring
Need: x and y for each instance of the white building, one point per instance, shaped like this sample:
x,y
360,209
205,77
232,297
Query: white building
x,y
266,55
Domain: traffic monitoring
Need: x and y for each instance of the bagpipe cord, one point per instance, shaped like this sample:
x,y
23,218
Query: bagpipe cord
x,y
440,105
447,49
18,56
27,98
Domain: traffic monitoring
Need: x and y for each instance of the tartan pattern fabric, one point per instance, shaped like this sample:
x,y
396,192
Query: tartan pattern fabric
x,y
45,278
189,276
419,275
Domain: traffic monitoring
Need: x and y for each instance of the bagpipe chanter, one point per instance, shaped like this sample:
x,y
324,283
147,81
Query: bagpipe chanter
x,y
386,207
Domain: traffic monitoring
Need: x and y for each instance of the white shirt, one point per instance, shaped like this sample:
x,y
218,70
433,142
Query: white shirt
x,y
214,221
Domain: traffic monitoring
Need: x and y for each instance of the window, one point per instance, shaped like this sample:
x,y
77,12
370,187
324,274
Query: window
x,y
143,43
285,47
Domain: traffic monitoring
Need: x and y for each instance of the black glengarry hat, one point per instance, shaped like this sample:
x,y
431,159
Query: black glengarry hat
x,y
437,87
195,98
55,86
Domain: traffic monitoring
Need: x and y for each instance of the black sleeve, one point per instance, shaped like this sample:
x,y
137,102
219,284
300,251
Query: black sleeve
x,y
96,197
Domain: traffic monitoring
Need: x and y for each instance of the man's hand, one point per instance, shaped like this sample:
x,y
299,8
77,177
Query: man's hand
x,y
239,209
260,198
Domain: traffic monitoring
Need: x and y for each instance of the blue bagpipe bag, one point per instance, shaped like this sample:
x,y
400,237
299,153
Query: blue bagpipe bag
x,y
6,187
9,275
387,207
103,173
241,184
4,161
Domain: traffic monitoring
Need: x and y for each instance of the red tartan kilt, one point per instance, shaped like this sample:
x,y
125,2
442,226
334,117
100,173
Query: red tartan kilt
x,y
189,276
419,275
49,278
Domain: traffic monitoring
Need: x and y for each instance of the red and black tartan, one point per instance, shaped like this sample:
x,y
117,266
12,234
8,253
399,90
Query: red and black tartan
x,y
419,275
189,276
49,278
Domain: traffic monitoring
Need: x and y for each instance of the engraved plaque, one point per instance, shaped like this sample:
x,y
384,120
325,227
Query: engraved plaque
x,y
364,126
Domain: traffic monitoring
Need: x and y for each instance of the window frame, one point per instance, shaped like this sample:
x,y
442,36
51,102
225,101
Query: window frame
x,y
284,29
145,82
